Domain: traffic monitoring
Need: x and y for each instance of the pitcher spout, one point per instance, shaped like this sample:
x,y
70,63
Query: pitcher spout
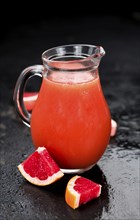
x,y
97,55
101,51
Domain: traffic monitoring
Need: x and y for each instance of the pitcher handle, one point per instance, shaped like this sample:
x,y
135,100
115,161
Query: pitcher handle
x,y
25,75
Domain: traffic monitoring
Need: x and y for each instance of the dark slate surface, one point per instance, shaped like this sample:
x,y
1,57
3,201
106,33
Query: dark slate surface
x,y
118,170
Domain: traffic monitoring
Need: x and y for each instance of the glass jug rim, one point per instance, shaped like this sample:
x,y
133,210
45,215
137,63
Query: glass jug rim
x,y
99,48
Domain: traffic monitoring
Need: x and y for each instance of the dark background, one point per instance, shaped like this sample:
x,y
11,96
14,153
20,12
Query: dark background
x,y
24,36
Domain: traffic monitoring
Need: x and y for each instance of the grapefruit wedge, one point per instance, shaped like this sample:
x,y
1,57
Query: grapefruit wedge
x,y
40,169
81,190
113,128
29,99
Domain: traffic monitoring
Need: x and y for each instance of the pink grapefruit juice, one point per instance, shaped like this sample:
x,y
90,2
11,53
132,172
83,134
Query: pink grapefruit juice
x,y
72,121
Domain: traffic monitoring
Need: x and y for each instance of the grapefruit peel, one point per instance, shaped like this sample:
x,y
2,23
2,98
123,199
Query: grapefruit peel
x,y
113,128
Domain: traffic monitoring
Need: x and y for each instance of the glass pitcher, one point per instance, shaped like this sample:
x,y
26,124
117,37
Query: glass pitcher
x,y
71,117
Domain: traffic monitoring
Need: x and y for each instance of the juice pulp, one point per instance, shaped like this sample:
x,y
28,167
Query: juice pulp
x,y
73,121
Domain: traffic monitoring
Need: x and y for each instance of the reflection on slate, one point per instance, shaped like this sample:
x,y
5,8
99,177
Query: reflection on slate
x,y
55,195
118,169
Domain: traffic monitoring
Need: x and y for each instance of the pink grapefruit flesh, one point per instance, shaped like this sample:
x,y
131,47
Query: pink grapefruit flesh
x,y
40,169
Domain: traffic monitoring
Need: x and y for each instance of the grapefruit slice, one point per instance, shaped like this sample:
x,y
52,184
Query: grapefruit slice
x,y
113,128
29,99
40,169
80,190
